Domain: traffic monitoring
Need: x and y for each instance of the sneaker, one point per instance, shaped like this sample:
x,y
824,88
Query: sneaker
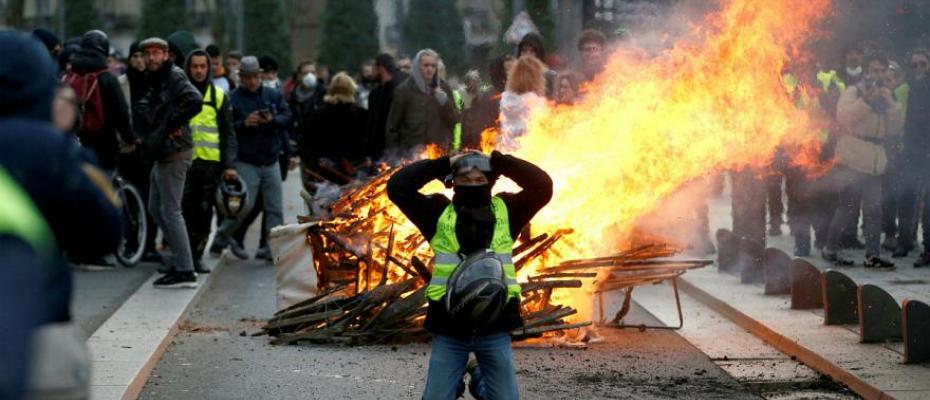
x,y
877,262
237,250
263,253
889,244
923,260
775,231
836,258
179,280
216,250
200,268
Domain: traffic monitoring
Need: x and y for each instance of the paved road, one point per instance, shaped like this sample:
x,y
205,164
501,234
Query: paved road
x,y
211,359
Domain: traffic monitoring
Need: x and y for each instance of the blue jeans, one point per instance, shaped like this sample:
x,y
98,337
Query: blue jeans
x,y
264,179
494,379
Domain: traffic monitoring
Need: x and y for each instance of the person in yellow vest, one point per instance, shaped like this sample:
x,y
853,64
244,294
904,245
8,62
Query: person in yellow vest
x,y
473,295
214,154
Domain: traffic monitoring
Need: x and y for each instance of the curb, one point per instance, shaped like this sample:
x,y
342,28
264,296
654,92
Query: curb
x,y
120,371
784,344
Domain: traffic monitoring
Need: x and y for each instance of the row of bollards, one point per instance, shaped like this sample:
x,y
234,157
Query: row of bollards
x,y
877,313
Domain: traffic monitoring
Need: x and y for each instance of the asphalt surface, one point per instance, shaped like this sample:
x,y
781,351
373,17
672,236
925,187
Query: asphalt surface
x,y
99,292
215,357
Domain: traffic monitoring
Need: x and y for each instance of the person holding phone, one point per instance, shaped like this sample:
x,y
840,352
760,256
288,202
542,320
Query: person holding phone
x,y
260,118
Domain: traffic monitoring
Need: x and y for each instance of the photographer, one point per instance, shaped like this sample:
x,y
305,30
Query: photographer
x,y
870,116
260,119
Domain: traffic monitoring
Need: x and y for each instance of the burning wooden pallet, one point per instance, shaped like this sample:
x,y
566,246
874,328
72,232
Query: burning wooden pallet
x,y
373,267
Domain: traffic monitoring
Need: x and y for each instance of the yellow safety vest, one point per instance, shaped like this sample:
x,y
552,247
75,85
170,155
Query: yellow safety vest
x,y
20,218
205,128
445,246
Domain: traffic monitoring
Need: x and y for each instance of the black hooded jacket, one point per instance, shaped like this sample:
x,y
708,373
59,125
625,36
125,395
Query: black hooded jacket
x,y
166,103
424,211
90,59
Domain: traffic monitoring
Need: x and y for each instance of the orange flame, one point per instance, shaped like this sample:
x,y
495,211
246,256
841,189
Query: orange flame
x,y
648,125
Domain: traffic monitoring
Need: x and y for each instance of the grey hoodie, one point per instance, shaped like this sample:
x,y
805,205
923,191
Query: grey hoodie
x,y
427,87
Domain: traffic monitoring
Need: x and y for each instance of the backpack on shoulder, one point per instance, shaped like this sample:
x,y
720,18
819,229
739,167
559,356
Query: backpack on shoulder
x,y
89,99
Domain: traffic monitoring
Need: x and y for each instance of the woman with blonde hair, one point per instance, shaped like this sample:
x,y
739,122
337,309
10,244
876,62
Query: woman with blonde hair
x,y
525,96
336,135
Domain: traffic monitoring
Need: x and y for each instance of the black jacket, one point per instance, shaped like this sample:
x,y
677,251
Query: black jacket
x,y
917,123
337,132
379,105
424,211
303,105
260,145
483,114
52,169
104,143
167,103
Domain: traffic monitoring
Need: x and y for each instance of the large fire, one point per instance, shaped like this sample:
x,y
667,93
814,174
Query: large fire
x,y
648,125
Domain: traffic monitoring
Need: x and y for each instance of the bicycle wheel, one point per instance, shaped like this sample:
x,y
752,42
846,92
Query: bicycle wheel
x,y
132,244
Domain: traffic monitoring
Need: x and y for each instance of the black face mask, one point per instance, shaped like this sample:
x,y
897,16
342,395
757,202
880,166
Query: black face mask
x,y
472,196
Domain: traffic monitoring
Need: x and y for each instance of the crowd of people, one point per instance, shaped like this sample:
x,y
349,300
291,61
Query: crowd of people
x,y
877,116
200,130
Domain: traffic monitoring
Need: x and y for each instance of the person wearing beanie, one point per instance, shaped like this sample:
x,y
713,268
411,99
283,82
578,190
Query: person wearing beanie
x,y
106,113
67,205
336,137
214,154
50,40
161,116
180,44
261,118
71,46
269,66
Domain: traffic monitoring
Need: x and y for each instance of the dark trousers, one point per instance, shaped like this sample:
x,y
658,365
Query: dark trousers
x,y
776,207
138,172
239,234
748,204
199,201
912,200
857,190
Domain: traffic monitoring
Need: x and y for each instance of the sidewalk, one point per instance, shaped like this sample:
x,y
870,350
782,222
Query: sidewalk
x,y
872,370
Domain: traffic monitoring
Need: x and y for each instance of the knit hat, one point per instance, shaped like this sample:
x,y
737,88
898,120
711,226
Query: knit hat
x,y
27,77
268,63
49,39
341,89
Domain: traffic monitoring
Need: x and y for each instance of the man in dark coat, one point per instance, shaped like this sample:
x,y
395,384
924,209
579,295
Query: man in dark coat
x,y
422,111
916,175
161,117
261,119
379,103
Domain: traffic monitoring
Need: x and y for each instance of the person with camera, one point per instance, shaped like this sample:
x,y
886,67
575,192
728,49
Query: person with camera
x,y
474,298
260,118
870,116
